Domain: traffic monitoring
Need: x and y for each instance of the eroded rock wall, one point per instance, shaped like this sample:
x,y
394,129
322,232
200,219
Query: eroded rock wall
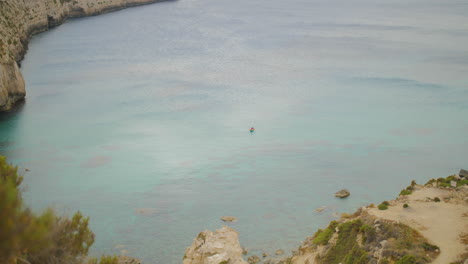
x,y
20,19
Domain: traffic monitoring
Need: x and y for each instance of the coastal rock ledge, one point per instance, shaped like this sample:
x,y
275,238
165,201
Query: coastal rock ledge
x,y
19,20
222,246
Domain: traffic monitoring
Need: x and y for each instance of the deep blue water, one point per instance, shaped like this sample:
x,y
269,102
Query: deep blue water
x,y
150,107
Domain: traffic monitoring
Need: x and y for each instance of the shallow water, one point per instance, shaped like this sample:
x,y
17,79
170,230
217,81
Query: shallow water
x,y
140,118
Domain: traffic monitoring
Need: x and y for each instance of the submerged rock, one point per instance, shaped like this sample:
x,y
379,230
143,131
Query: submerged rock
x,y
279,252
221,246
128,260
342,193
320,209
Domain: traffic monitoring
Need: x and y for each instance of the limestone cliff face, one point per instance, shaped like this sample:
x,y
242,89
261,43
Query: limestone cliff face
x,y
20,19
222,246
12,85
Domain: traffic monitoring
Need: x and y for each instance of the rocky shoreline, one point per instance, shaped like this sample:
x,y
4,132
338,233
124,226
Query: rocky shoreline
x,y
21,19
424,224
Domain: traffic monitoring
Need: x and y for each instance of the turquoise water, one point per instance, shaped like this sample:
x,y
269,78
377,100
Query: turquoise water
x,y
150,107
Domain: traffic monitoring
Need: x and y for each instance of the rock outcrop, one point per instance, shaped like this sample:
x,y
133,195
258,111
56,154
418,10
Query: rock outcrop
x,y
222,246
20,19
128,260
463,174
342,193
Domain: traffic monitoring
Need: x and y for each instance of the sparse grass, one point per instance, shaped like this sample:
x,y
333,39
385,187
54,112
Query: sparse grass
x,y
407,259
346,250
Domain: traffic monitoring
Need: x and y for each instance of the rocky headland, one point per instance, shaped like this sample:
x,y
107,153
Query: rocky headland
x,y
424,224
20,19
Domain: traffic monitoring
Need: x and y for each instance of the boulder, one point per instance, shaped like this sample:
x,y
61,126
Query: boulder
x,y
463,174
453,183
245,251
253,259
342,193
221,246
229,219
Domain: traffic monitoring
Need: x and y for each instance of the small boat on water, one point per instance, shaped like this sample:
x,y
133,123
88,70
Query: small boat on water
x,y
252,129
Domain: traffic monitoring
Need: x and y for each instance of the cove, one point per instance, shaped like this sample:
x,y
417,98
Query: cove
x,y
140,118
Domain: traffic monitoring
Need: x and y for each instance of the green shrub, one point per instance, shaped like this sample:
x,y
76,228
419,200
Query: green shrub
x,y
450,178
366,228
43,238
405,192
383,206
405,205
321,237
109,260
444,184
407,259
436,199
104,260
429,247
462,182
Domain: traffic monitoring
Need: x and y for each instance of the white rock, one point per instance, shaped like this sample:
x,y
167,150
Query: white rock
x,y
215,247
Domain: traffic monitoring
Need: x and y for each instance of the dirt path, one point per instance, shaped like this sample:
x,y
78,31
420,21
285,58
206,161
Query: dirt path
x,y
440,222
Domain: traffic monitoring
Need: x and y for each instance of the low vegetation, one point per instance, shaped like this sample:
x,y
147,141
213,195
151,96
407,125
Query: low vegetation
x,y
359,236
39,238
383,206
447,182
322,237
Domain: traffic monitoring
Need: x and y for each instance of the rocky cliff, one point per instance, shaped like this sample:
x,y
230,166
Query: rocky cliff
x,y
425,224
20,19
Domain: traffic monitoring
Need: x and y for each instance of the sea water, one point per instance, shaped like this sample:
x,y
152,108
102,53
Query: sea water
x,y
140,118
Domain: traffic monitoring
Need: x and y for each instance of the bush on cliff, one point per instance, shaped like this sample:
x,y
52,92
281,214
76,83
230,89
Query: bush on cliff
x,y
37,238
321,237
105,260
384,205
